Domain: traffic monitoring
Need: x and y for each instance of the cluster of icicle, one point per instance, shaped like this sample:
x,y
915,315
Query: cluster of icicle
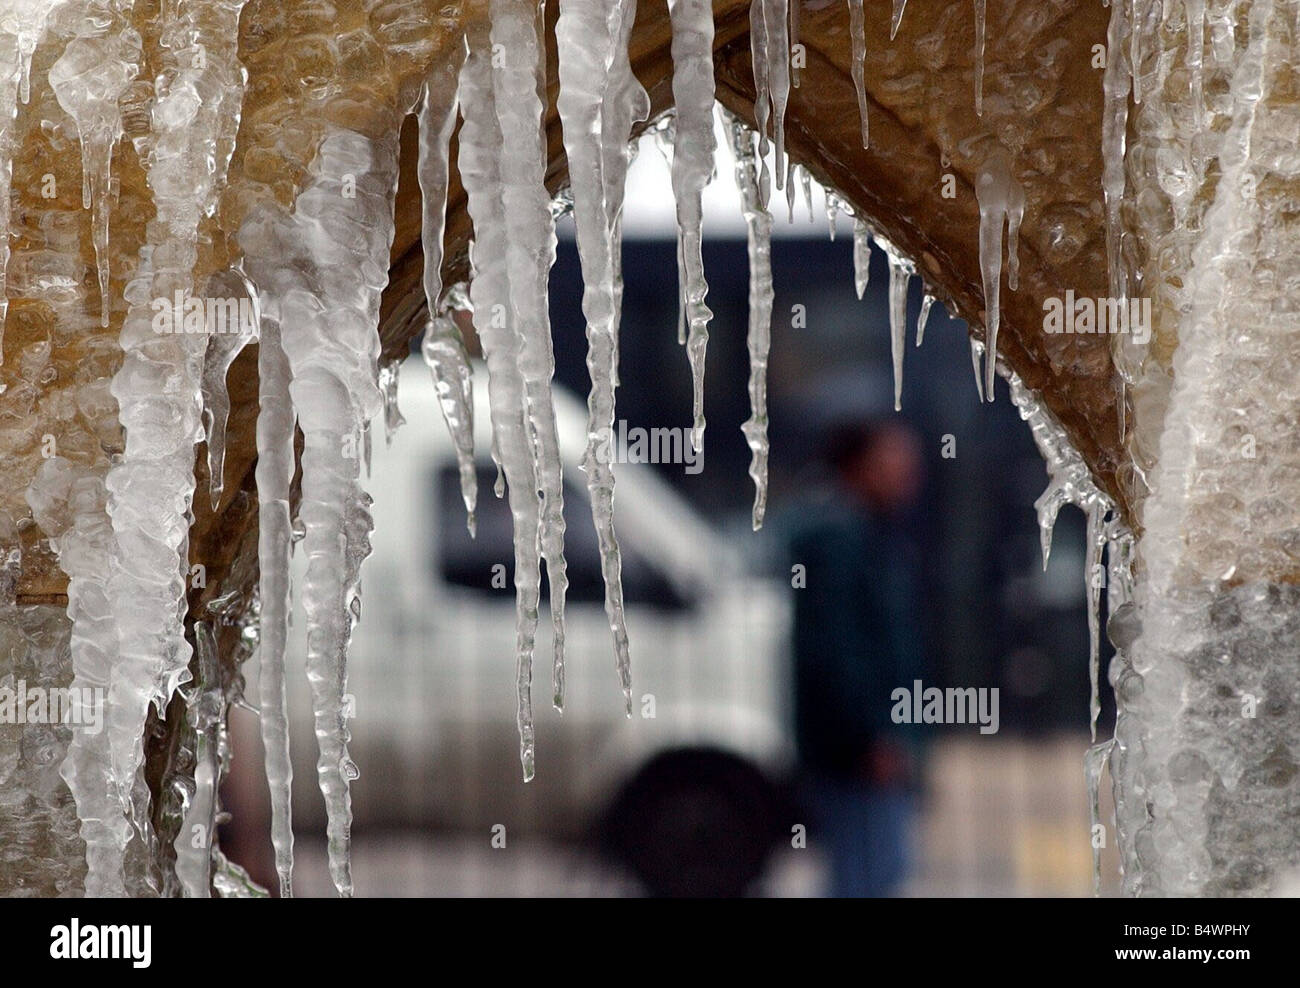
x,y
317,273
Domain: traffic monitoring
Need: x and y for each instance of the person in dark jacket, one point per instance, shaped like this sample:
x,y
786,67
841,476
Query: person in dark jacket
x,y
857,637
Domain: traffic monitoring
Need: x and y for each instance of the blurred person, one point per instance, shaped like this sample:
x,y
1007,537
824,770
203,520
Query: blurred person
x,y
857,637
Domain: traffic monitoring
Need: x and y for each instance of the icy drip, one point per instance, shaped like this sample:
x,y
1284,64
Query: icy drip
x,y
758,56
976,360
792,173
275,469
857,66
443,348
979,55
777,56
519,90
159,389
805,182
1070,482
758,224
205,714
88,80
901,270
328,334
1094,763
481,152
69,503
389,372
599,98
861,255
896,18
927,301
1113,137
224,344
693,147
1001,200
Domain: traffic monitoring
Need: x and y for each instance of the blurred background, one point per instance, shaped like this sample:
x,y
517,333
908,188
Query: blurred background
x,y
702,790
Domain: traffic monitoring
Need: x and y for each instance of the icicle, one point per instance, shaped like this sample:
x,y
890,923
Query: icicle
x,y
1196,55
600,95
759,56
1094,763
443,348
275,537
858,56
927,300
693,147
979,56
832,212
901,270
225,342
758,224
861,256
159,384
68,501
88,79
805,180
1113,140
791,171
1135,44
481,154
897,18
976,355
1001,198
794,40
1095,577
393,420
519,87
204,712
776,15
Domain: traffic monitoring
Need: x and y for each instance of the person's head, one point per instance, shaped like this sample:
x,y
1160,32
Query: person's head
x,y
878,462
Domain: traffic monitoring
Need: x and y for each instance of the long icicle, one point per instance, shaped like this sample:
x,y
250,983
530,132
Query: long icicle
x,y
443,348
858,57
159,385
776,14
692,55
758,224
1001,199
480,154
599,92
519,84
274,475
980,18
1113,140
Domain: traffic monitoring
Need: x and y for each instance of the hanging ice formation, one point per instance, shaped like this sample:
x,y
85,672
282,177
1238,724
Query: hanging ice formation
x,y
693,147
442,347
313,270
758,224
1001,201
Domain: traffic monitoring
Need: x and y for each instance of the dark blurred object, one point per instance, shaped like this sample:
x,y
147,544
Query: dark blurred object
x,y
858,637
697,823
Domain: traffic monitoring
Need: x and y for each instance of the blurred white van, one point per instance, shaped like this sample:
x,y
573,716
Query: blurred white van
x,y
686,792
